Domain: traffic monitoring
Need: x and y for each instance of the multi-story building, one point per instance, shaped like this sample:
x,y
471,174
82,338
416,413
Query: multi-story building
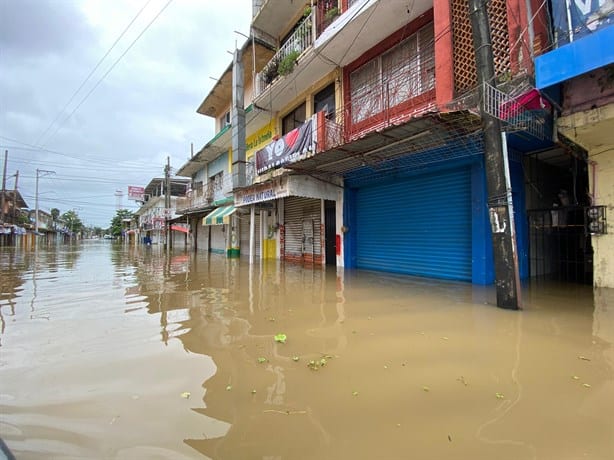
x,y
364,135
577,71
153,216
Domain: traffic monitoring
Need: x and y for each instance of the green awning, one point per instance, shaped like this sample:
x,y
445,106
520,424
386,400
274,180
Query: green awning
x,y
219,216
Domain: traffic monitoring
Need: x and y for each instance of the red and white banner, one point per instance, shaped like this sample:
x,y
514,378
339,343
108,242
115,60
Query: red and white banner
x,y
136,193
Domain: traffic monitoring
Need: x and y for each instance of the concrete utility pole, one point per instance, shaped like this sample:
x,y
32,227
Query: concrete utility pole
x,y
38,174
500,208
14,216
6,159
238,122
167,203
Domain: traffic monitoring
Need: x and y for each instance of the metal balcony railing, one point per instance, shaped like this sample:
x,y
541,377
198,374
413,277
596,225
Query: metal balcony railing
x,y
285,59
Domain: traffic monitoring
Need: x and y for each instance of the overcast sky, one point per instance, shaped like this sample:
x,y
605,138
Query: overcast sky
x,y
140,113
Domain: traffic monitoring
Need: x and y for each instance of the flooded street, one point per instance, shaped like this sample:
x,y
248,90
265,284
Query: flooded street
x,y
111,352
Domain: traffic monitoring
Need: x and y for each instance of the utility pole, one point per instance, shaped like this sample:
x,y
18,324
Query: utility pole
x,y
38,174
167,203
500,208
14,216
6,159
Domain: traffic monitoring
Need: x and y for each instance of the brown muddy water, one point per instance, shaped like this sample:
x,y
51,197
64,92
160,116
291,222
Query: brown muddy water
x,y
109,352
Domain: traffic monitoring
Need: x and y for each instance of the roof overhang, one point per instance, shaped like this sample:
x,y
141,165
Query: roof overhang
x,y
221,95
431,131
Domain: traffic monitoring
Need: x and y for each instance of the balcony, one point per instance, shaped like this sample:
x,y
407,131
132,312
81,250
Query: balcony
x,y
206,195
284,60
274,15
363,25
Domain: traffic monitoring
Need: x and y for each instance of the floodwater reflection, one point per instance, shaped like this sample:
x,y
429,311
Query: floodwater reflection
x,y
141,356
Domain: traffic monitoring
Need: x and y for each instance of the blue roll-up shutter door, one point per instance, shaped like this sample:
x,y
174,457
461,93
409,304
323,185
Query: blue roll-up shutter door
x,y
418,226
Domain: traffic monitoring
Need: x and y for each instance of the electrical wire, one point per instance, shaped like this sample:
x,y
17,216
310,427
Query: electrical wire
x,y
101,79
74,94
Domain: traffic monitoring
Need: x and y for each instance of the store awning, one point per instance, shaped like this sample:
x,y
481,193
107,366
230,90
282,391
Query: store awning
x,y
219,216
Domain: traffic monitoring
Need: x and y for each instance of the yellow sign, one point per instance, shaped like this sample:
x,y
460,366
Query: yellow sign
x,y
259,139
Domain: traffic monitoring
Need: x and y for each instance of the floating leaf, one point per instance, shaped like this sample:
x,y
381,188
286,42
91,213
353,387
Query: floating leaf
x,y
583,358
323,362
500,395
425,388
354,393
575,377
271,319
185,395
280,338
261,360
295,358
444,338
229,387
462,380
586,385
253,392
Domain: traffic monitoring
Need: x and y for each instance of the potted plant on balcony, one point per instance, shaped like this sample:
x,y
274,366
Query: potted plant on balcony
x,y
332,14
286,65
271,70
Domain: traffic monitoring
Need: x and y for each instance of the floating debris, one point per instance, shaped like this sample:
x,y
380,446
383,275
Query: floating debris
x,y
354,393
295,358
586,385
444,338
584,358
462,380
229,387
280,338
253,392
450,438
500,395
185,395
575,377
271,319
425,388
262,360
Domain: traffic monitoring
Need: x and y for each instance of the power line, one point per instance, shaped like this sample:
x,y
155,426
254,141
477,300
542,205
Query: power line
x,y
74,94
108,71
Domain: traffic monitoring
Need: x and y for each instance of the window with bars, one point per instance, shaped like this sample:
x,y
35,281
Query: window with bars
x,y
400,74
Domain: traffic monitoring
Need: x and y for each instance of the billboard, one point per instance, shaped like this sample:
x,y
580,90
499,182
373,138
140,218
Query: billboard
x,y
136,193
574,19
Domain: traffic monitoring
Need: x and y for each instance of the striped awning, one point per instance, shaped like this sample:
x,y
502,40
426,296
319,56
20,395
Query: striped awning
x,y
219,216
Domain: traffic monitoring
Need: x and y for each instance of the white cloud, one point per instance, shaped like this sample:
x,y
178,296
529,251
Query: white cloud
x,y
143,110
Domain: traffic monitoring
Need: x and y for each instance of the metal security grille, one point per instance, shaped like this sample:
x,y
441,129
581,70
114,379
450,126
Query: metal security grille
x,y
560,245
465,76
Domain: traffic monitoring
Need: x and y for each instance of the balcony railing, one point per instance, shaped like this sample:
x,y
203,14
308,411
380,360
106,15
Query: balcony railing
x,y
285,59
206,194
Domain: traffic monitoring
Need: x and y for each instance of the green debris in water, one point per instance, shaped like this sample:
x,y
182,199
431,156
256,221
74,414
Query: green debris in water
x,y
253,392
586,385
295,358
280,338
262,360
500,395
229,387
271,319
575,377
584,358
354,393
185,395
425,388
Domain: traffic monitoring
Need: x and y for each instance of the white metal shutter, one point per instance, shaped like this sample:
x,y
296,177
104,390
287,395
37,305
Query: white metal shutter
x,y
296,211
244,222
218,238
